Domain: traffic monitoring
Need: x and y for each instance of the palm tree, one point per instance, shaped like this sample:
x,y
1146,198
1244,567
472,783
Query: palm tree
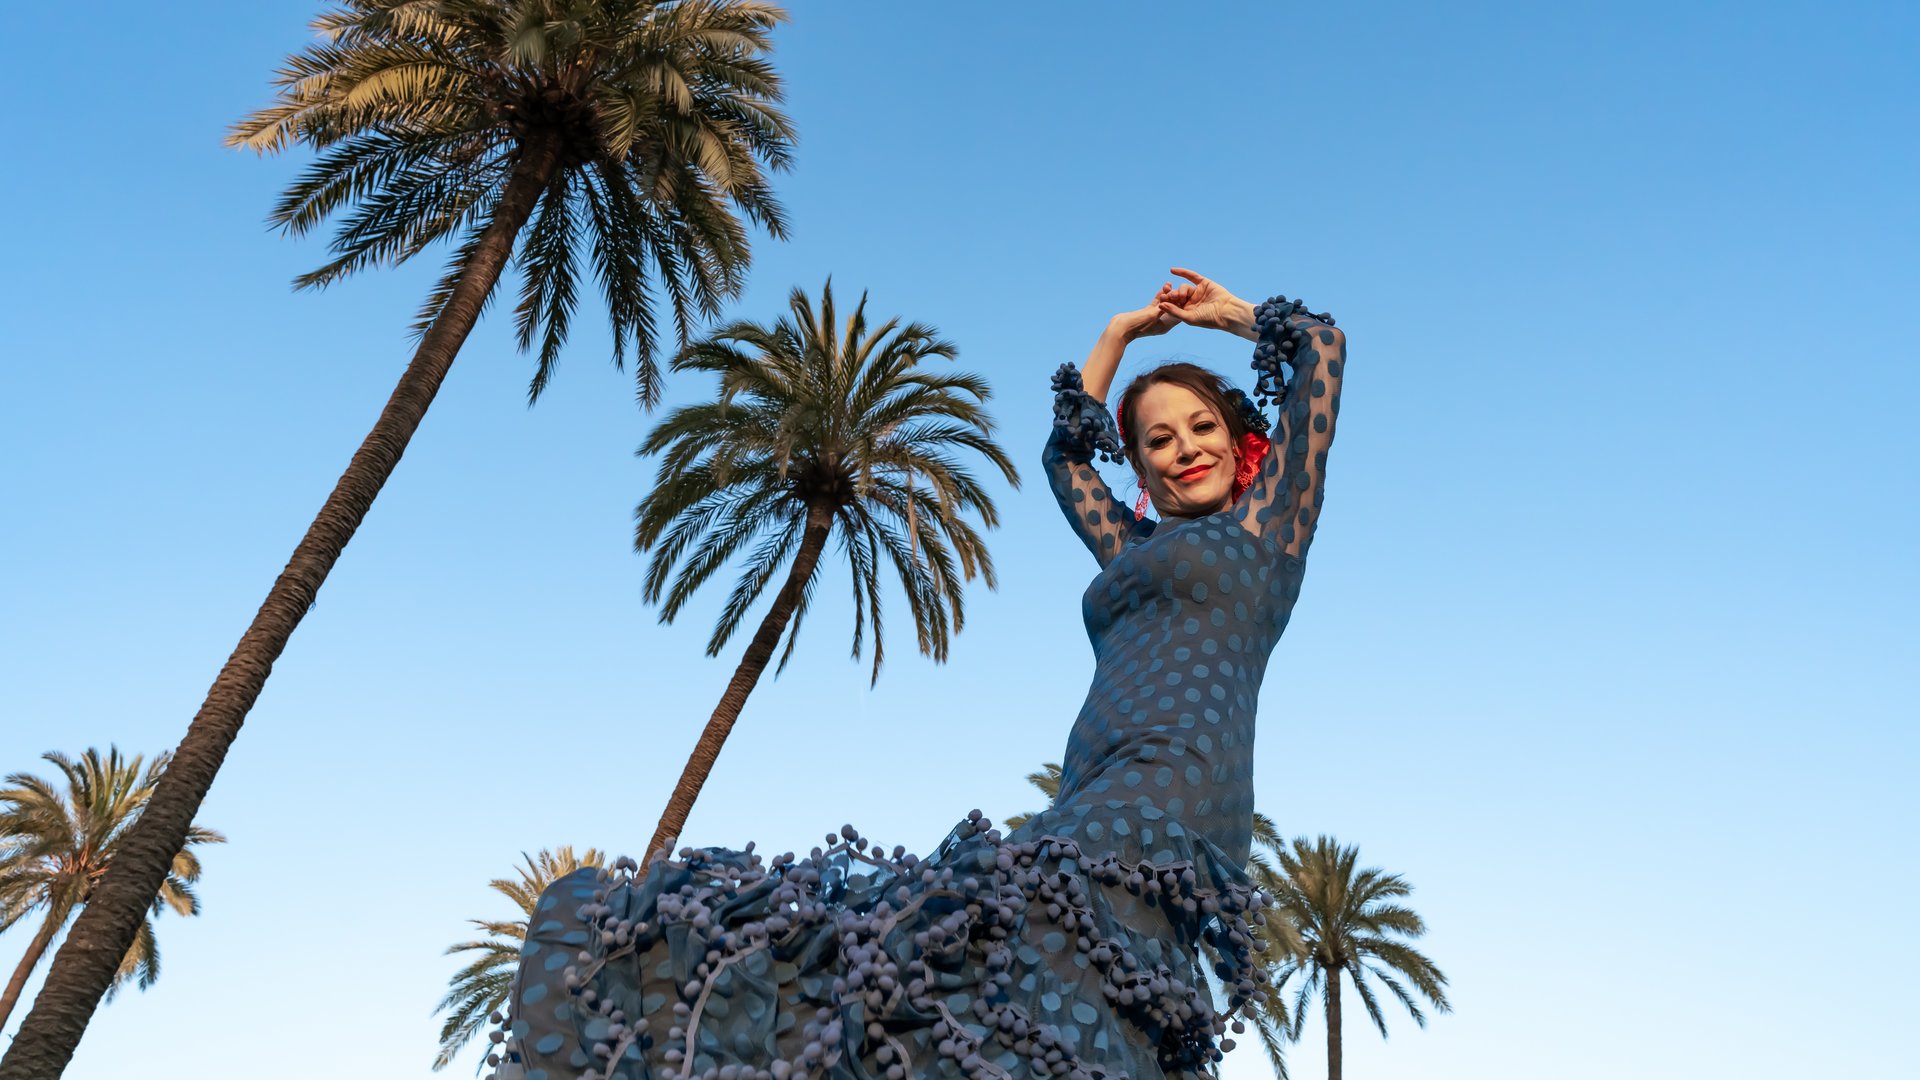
x,y
480,988
55,847
1346,917
628,132
1048,781
819,431
1274,940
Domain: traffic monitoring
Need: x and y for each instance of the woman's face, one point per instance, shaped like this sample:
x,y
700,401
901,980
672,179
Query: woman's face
x,y
1184,450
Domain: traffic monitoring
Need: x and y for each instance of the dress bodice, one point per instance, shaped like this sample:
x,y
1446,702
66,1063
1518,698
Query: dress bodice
x,y
1182,623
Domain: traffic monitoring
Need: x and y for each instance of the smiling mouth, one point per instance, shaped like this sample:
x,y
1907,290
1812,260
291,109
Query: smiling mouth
x,y
1193,474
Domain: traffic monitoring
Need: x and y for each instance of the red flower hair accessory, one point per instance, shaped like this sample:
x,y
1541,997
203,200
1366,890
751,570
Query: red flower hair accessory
x,y
1253,451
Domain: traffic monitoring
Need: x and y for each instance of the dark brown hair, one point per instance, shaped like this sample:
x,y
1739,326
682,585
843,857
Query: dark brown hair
x,y
1206,385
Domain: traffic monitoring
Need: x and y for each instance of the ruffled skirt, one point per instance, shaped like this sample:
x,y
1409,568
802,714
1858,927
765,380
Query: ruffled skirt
x,y
998,957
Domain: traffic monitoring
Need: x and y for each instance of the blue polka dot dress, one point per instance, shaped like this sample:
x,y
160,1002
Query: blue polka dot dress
x,y
1071,947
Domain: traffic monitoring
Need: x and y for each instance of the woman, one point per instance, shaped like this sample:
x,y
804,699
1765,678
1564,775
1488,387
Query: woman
x,y
1069,947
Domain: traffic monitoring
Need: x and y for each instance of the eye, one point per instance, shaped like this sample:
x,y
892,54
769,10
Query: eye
x,y
1159,441
1204,426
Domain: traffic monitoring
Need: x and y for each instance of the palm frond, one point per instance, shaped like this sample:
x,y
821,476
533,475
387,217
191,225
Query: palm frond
x,y
1358,974
548,258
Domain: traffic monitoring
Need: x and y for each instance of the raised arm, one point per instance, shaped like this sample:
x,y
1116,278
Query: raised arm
x,y
1084,429
1300,359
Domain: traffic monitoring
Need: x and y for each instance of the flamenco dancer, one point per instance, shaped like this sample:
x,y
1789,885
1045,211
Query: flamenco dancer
x,y
1107,937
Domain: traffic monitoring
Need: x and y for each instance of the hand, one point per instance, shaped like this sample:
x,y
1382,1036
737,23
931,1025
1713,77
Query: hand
x,y
1148,321
1205,303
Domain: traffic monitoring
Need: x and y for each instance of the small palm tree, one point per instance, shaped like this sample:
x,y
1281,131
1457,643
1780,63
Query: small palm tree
x,y
1274,940
480,989
820,430
55,847
1347,918
630,135
1048,781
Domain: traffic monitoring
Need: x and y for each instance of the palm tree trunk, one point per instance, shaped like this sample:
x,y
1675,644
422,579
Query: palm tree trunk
x,y
35,950
1333,1024
85,964
812,542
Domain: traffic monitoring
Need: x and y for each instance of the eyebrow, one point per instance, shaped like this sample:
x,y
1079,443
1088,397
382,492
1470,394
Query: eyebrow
x,y
1208,413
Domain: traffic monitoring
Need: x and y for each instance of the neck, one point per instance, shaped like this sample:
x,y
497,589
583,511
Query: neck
x,y
1196,515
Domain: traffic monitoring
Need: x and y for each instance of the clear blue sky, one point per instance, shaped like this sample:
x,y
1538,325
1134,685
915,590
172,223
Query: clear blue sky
x,y
1601,643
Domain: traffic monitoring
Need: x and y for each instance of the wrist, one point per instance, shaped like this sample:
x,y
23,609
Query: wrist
x,y
1240,320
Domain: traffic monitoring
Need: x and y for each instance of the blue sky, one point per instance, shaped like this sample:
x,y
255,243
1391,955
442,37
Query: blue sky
x,y
1600,645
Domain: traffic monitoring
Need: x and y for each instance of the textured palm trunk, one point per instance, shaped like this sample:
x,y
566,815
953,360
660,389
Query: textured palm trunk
x,y
35,950
1333,1024
705,752
85,964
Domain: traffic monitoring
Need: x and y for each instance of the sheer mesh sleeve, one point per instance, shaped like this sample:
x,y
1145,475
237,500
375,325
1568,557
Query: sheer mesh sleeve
x,y
1082,429
1283,502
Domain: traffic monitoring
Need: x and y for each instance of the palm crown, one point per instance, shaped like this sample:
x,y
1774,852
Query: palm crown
x,y
476,991
56,846
840,427
638,125
1349,920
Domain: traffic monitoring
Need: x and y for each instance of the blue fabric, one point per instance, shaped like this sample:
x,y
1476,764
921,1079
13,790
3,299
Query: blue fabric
x,y
1069,947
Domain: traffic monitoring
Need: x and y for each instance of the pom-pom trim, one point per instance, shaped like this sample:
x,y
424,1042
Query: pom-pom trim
x,y
1085,424
1273,357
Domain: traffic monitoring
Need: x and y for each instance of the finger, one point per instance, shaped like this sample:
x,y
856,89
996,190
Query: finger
x,y
1189,275
1175,312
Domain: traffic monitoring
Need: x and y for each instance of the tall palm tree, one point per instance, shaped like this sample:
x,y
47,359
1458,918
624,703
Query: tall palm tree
x,y
628,132
1348,920
480,989
55,847
1274,941
819,431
